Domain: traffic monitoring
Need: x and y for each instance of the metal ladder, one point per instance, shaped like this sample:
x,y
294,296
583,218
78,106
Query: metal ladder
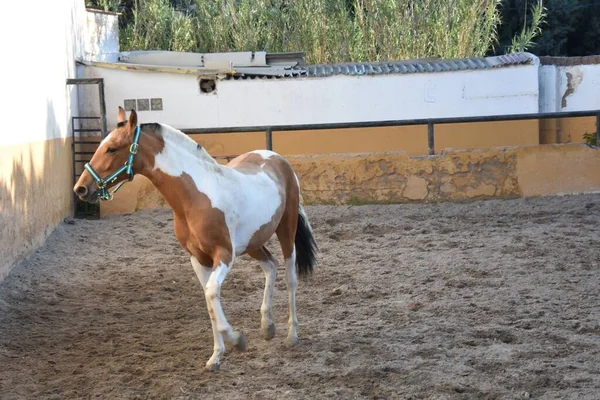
x,y
83,149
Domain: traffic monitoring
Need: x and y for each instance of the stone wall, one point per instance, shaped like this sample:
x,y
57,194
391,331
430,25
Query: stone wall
x,y
395,177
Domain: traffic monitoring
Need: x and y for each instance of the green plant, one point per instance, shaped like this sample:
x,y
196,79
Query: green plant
x,y
524,40
329,31
106,5
590,138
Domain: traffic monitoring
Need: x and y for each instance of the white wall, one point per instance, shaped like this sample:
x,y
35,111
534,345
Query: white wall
x,y
569,88
320,100
41,40
102,36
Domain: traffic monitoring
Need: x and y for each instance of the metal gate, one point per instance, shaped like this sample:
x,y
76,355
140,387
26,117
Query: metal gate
x,y
83,147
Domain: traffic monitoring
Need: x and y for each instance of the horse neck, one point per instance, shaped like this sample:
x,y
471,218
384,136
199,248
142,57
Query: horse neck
x,y
170,168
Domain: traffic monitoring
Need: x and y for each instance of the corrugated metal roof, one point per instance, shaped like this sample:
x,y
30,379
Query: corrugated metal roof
x,y
394,67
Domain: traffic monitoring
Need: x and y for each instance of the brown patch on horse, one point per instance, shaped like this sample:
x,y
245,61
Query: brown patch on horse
x,y
200,228
249,163
151,143
261,254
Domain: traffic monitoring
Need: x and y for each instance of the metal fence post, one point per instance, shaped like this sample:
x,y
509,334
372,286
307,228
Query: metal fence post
x,y
102,108
269,139
430,138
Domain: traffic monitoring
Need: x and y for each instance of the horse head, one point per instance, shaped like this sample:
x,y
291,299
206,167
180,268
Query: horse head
x,y
113,162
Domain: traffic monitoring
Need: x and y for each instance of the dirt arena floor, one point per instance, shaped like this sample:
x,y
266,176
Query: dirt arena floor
x,y
484,300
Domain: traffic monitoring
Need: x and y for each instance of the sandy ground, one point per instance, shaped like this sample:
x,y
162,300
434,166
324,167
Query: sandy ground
x,y
485,300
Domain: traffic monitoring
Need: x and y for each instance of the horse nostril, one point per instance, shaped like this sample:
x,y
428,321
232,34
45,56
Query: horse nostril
x,y
81,190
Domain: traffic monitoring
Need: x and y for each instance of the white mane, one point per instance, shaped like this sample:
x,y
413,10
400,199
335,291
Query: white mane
x,y
181,140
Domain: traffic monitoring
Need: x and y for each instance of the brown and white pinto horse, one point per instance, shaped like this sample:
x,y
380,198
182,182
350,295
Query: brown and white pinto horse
x,y
220,212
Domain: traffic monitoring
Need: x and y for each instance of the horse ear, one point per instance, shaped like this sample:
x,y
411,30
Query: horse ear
x,y
132,122
121,115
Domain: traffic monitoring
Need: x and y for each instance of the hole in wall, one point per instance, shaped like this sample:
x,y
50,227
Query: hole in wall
x,y
207,85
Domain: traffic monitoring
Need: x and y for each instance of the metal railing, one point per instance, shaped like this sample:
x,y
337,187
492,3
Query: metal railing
x,y
430,122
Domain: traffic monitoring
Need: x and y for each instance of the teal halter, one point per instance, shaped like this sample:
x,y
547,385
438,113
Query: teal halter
x,y
105,194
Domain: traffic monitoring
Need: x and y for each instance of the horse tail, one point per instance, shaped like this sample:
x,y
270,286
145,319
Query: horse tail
x,y
306,247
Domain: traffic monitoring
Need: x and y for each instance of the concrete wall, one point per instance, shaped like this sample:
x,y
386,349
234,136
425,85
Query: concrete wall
x,y
454,175
569,84
251,102
254,102
557,85
102,39
35,166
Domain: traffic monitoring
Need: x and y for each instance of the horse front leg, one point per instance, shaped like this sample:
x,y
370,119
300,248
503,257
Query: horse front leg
x,y
213,297
203,273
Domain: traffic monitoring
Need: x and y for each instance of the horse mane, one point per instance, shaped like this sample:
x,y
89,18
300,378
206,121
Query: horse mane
x,y
180,139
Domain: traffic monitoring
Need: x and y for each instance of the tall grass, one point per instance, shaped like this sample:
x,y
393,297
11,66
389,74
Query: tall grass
x,y
329,31
524,40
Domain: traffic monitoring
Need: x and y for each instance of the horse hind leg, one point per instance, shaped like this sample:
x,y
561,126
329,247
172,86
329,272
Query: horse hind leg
x,y
269,266
292,285
299,249
286,233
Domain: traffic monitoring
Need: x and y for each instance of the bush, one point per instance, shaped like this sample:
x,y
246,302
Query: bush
x,y
329,31
590,138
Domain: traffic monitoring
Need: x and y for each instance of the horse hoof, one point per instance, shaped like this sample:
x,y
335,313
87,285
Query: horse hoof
x,y
241,343
212,367
291,340
268,332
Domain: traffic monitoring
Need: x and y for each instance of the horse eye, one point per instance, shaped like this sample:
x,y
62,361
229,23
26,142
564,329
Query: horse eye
x,y
111,150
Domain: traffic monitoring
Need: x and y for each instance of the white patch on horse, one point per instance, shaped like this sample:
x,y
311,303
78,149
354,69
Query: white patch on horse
x,y
265,154
204,274
213,297
247,201
292,286
267,324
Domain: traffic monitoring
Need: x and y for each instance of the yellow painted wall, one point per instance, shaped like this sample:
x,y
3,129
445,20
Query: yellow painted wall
x,y
395,177
566,130
35,187
410,139
486,134
231,143
558,169
572,129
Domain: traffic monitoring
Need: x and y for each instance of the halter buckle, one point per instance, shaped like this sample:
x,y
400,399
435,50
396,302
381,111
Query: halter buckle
x,y
133,149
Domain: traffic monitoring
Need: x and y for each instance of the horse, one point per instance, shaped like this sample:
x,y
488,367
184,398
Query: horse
x,y
220,212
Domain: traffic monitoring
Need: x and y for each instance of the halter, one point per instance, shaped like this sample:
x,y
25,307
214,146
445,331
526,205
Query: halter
x,y
105,194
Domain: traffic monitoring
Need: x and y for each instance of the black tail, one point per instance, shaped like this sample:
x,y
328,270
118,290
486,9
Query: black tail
x,y
306,248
